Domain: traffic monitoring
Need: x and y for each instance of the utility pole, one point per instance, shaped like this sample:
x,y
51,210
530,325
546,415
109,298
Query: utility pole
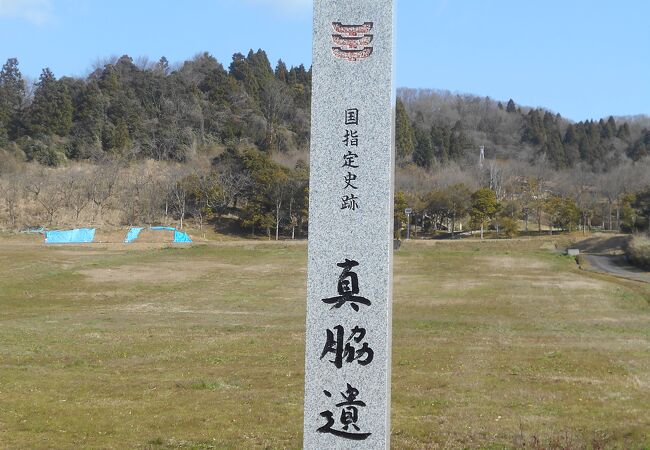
x,y
408,212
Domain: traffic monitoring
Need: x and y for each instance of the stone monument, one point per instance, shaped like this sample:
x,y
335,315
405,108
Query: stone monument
x,y
349,298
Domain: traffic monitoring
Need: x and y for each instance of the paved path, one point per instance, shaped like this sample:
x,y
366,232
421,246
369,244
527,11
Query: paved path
x,y
617,265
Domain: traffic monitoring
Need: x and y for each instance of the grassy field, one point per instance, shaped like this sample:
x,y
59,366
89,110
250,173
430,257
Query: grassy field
x,y
496,345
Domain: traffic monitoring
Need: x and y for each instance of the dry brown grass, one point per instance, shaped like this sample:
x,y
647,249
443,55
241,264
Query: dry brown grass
x,y
496,345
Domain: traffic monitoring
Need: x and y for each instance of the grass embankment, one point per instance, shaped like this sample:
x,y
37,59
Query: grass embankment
x,y
638,251
496,345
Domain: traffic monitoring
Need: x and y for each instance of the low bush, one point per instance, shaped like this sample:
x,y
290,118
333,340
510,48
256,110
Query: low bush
x,y
638,251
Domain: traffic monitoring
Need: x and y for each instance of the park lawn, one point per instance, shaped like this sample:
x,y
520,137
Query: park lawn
x,y
495,345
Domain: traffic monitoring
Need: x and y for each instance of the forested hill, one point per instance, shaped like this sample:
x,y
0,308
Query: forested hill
x,y
443,126
138,109
152,110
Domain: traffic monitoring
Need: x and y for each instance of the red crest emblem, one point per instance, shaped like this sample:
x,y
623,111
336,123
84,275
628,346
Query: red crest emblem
x,y
353,42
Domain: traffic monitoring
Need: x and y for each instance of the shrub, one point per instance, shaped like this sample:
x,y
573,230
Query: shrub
x,y
510,227
638,251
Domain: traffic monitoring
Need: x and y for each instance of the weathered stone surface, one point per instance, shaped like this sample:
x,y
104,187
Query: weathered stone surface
x,y
350,229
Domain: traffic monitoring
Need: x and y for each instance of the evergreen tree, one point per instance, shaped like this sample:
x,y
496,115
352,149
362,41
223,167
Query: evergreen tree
x,y
511,107
51,110
88,122
441,142
260,65
252,71
242,71
623,132
281,72
423,153
610,127
458,142
90,113
404,134
571,143
641,148
399,216
534,132
12,94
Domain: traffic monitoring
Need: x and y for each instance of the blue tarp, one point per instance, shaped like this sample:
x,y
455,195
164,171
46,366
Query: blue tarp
x,y
132,235
179,236
77,236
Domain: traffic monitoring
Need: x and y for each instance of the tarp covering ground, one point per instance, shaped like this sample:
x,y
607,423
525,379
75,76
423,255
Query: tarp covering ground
x,y
76,236
87,235
132,235
179,236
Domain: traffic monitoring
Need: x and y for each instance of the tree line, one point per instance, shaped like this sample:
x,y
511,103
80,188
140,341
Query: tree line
x,y
141,142
508,199
138,110
239,191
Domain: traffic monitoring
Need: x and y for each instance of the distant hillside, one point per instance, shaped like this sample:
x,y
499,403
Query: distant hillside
x,y
138,142
141,109
152,110
437,119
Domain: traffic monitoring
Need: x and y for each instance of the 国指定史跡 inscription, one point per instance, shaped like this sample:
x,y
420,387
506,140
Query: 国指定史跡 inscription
x,y
347,361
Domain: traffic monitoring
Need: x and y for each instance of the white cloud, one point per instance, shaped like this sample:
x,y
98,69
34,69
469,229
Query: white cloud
x,y
35,11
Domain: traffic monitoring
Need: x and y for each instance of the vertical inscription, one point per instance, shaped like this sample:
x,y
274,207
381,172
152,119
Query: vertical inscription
x,y
347,375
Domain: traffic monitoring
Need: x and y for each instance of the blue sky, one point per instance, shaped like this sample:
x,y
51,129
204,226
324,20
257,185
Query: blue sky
x,y
582,58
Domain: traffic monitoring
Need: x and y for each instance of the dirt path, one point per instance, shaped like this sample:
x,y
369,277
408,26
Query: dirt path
x,y
605,253
617,265
603,244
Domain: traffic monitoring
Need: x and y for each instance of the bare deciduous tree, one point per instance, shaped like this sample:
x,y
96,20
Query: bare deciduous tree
x,y
276,104
104,179
45,186
11,193
75,188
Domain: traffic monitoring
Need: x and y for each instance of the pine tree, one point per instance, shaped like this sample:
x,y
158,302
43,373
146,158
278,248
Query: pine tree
x,y
511,107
